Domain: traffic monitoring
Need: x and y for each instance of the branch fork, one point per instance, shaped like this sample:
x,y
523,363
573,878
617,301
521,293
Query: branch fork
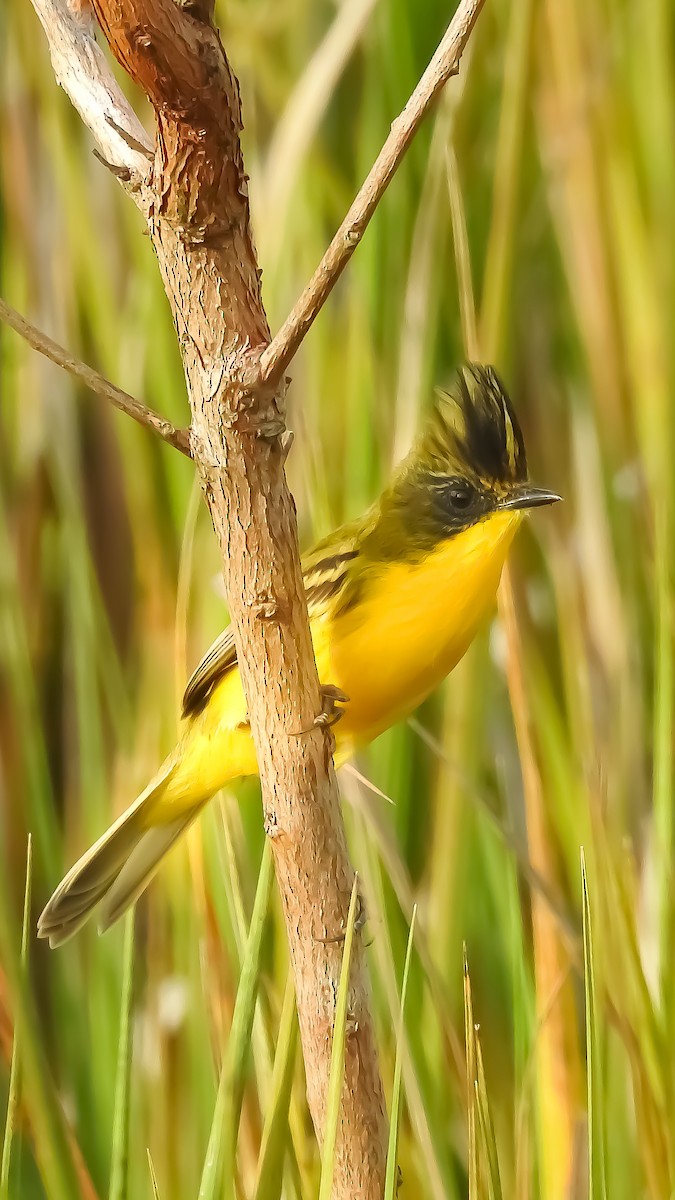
x,y
193,190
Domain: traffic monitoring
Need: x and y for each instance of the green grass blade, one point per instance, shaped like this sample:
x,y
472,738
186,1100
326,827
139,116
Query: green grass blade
x,y
471,1080
391,1177
53,1148
337,1057
219,1166
467,305
664,702
120,1139
13,1097
486,1127
597,1186
481,1134
275,1131
502,241
153,1177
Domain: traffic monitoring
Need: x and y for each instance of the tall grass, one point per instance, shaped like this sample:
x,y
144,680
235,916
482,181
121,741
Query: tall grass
x,y
534,222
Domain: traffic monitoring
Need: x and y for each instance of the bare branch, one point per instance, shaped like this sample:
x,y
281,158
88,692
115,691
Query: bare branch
x,y
278,354
87,79
178,438
199,221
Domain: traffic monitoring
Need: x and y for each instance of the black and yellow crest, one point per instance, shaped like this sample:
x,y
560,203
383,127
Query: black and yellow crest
x,y
468,462
473,428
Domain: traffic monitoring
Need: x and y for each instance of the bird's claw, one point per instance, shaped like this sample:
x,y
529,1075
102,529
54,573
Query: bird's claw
x,y
331,696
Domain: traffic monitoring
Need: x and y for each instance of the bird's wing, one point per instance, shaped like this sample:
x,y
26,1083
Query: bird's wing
x,y
329,576
219,658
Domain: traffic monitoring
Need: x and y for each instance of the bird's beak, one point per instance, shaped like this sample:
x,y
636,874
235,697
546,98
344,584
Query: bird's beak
x,y
530,497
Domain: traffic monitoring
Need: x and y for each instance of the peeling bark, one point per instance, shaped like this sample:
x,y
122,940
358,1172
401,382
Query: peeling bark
x,y
200,226
194,196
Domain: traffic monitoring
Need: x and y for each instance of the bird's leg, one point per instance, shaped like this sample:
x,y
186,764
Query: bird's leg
x,y
331,696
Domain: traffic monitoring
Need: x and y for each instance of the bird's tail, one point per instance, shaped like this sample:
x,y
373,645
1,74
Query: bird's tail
x,y
117,868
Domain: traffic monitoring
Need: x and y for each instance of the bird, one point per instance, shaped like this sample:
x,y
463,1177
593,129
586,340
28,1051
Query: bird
x,y
395,598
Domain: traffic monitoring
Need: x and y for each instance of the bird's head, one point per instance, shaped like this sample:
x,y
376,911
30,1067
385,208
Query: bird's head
x,y
468,465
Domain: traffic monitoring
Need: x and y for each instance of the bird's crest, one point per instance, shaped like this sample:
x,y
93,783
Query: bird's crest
x,y
474,426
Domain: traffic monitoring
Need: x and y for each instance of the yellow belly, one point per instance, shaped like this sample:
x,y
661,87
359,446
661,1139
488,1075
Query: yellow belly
x,y
416,623
387,653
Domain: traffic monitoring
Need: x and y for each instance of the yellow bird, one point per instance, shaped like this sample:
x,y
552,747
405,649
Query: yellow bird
x,y
395,598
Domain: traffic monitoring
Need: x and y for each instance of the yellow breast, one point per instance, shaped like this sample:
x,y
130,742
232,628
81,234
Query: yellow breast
x,y
387,653
417,620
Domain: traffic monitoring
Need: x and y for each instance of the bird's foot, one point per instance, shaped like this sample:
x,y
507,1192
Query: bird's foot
x,y
330,714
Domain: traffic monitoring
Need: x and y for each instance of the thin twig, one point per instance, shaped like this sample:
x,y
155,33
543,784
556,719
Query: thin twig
x,y
179,438
444,63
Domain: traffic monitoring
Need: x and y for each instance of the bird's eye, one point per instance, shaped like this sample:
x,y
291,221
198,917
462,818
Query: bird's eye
x,y
460,496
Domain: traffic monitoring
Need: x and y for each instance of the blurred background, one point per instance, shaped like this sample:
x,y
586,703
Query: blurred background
x,y
532,224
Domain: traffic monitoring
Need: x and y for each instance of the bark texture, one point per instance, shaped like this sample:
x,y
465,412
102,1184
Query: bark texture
x,y
198,218
193,192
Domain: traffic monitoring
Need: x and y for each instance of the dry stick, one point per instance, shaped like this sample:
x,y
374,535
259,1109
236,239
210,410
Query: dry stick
x,y
444,63
199,220
179,438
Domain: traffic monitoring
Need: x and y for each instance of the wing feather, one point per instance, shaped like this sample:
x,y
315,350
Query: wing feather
x,y
219,658
329,570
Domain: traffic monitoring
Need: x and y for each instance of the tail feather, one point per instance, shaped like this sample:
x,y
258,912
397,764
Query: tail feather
x,y
118,866
140,867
